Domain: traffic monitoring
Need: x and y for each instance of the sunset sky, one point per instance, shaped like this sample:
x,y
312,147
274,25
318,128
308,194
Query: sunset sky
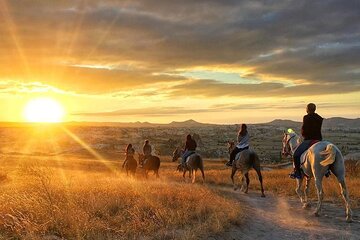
x,y
216,61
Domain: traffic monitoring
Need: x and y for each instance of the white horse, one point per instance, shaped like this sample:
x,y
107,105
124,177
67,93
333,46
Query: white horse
x,y
316,161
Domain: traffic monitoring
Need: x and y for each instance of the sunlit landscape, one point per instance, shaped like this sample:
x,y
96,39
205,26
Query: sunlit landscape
x,y
93,94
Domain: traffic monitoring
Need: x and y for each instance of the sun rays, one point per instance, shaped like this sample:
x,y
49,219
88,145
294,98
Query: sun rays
x,y
44,110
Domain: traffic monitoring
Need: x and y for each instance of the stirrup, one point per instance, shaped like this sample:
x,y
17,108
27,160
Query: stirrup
x,y
328,173
295,175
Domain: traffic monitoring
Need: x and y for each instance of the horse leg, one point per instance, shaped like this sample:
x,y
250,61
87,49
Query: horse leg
x,y
298,190
339,172
307,190
320,193
247,182
345,196
261,181
242,183
157,173
203,174
232,178
193,175
146,174
184,172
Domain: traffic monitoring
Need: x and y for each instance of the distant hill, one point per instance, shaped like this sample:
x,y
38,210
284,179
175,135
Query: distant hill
x,y
341,122
284,123
334,122
188,123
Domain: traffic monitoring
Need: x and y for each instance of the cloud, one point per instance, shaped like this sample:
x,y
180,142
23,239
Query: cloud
x,y
312,42
215,108
158,112
214,89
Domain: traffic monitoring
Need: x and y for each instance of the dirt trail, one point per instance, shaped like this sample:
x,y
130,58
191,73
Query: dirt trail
x,y
282,218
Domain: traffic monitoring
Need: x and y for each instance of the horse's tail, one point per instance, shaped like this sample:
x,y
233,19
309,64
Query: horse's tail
x,y
329,155
253,157
199,162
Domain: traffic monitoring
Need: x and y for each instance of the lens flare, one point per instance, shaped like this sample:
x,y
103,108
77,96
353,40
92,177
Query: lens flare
x,y
44,110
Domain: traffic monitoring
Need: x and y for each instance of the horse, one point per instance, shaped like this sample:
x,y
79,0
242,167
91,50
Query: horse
x,y
193,163
316,161
151,163
244,161
130,165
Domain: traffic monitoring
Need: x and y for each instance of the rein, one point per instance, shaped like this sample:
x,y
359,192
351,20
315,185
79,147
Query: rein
x,y
287,146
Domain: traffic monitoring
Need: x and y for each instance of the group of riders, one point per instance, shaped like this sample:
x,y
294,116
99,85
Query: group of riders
x,y
310,131
130,152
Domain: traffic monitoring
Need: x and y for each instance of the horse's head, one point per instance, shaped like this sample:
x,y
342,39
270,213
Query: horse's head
x,y
179,168
141,158
286,148
176,154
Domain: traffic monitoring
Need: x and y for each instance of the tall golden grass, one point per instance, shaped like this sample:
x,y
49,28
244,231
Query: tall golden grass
x,y
79,199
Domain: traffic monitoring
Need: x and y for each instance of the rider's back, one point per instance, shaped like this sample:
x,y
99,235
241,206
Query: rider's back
x,y
311,128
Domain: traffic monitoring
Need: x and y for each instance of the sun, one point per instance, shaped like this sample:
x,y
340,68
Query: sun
x,y
44,110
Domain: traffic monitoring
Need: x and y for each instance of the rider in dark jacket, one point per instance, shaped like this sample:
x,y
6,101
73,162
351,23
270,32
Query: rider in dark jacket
x,y
311,131
147,149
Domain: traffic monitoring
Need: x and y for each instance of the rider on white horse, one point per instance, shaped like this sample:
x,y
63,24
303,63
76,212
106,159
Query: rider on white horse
x,y
311,131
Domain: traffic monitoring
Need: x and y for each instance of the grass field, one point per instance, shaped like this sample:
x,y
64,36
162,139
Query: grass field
x,y
80,198
76,198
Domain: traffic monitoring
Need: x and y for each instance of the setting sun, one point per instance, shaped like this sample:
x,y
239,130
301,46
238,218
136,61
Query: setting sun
x,y
43,110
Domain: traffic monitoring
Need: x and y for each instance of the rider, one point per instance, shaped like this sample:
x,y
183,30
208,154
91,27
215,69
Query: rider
x,y
311,131
129,151
147,149
243,143
190,147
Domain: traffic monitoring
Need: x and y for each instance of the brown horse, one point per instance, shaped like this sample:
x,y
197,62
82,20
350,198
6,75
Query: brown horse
x,y
193,163
244,161
151,163
130,165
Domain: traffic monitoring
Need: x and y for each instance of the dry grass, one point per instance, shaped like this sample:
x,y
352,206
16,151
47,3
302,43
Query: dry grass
x,y
80,199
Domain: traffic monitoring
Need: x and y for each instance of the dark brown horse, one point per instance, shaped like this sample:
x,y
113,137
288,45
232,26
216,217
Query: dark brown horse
x,y
151,163
130,165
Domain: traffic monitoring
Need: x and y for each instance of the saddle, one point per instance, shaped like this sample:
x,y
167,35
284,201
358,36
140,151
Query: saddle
x,y
303,156
313,142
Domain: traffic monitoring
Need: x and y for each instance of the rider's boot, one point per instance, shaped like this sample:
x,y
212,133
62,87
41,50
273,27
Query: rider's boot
x,y
328,173
296,174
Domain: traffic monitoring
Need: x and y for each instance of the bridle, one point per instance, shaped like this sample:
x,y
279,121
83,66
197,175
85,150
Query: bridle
x,y
287,149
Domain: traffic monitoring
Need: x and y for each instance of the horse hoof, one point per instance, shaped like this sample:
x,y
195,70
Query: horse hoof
x,y
262,195
235,188
349,219
317,214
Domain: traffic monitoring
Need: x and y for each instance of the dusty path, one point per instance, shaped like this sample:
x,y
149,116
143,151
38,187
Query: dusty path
x,y
282,218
